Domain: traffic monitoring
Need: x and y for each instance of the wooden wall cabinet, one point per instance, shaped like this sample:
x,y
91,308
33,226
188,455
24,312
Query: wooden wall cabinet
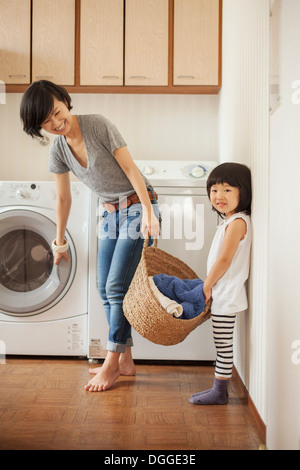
x,y
114,46
196,42
105,52
15,41
146,42
101,42
53,41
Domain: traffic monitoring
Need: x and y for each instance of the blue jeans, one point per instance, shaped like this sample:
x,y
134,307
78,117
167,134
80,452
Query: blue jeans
x,y
119,252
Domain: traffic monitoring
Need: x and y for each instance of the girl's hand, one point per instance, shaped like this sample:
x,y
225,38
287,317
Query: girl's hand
x,y
207,290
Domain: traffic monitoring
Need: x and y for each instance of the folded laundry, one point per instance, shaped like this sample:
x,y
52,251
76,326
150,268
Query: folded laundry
x,y
169,305
186,292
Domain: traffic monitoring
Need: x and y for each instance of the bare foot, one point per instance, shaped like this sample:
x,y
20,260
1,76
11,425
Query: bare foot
x,y
107,374
95,371
126,364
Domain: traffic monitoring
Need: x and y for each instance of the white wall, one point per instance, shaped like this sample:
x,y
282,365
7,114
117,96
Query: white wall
x,y
244,137
171,127
283,338
269,362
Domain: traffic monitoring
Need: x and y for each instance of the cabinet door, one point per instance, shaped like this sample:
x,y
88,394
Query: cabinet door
x,y
53,41
15,41
101,50
196,40
146,42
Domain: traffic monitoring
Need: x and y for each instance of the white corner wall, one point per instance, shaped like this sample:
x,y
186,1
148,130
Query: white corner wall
x,y
244,138
283,334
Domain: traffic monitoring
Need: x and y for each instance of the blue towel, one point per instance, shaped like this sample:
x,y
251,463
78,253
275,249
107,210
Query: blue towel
x,y
187,292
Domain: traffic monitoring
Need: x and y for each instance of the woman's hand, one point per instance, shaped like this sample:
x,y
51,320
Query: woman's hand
x,y
63,206
150,223
58,256
149,219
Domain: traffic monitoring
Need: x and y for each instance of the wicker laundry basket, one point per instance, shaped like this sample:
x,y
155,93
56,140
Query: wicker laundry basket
x,y
143,310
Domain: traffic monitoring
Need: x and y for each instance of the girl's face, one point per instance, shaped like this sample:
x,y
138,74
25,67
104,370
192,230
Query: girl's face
x,y
225,198
60,120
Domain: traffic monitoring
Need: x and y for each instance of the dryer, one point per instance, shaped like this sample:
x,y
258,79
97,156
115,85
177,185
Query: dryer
x,y
43,306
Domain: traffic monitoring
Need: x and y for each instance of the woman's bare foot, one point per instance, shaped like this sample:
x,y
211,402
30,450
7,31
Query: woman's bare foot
x,y
107,374
126,364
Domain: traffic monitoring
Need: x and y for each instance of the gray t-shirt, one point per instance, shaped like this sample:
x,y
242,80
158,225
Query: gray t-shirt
x,y
103,174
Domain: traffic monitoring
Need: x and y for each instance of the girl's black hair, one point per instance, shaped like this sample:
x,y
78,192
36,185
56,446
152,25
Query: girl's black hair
x,y
236,175
37,104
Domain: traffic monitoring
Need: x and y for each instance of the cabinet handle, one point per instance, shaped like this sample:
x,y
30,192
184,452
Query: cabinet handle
x,y
44,76
110,76
185,76
17,75
138,77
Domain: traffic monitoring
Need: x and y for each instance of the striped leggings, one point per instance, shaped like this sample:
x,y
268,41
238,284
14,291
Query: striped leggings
x,y
223,327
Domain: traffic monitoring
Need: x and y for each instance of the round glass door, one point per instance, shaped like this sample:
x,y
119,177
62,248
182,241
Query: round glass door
x,y
30,282
26,260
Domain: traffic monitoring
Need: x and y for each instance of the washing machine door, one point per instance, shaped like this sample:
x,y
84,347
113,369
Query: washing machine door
x,y
30,282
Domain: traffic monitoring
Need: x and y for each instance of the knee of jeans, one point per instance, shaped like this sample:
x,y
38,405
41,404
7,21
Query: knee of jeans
x,y
114,292
102,291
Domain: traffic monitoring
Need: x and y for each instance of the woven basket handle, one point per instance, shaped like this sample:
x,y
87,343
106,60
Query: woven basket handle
x,y
146,241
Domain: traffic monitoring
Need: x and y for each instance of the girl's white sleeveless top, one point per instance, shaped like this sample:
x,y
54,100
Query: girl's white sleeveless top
x,y
229,293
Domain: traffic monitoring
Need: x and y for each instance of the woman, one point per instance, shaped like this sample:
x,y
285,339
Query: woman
x,y
92,148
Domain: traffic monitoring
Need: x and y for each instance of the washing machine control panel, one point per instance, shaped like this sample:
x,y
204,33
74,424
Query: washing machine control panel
x,y
23,192
41,194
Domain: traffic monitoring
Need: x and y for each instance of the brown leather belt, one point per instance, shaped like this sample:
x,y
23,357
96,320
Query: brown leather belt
x,y
124,203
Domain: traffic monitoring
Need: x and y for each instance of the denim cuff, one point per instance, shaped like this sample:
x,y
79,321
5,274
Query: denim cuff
x,y
118,347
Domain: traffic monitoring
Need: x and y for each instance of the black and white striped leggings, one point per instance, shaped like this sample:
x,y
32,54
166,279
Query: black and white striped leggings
x,y
223,327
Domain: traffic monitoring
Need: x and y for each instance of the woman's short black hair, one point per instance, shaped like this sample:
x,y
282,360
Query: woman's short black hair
x,y
236,175
37,104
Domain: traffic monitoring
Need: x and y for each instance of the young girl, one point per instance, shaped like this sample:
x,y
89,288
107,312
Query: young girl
x,y
229,190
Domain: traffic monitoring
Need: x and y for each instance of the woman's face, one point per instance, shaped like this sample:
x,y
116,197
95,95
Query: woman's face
x,y
60,120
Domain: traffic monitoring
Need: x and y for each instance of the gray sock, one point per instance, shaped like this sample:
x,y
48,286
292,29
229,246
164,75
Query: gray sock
x,y
217,395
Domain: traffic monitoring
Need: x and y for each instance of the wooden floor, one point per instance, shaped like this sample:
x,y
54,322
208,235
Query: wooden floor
x,y
44,406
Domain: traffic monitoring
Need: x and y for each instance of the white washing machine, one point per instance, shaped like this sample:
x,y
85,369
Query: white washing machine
x,y
188,227
43,306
